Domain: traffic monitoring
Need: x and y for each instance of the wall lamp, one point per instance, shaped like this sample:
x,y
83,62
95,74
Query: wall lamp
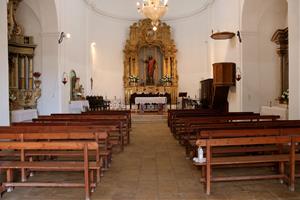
x,y
62,36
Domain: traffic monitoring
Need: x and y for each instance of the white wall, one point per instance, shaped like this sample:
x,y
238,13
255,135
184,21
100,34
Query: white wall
x,y
39,19
107,66
191,36
226,17
193,51
260,62
73,51
4,105
294,59
32,27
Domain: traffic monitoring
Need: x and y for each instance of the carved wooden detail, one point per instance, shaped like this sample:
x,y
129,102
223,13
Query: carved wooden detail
x,y
281,38
142,44
24,88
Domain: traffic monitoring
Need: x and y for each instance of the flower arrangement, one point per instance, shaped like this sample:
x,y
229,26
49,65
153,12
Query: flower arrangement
x,y
284,98
12,97
166,79
36,74
133,79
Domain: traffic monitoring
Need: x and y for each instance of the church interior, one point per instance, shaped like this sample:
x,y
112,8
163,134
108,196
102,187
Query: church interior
x,y
150,99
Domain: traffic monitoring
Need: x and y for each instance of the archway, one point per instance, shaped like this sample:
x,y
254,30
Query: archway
x,y
46,12
260,20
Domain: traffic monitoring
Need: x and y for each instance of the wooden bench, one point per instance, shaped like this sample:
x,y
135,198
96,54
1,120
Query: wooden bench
x,y
173,112
177,118
184,125
55,136
65,132
82,166
233,129
211,160
123,135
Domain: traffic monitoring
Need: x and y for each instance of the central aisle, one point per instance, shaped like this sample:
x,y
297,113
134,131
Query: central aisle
x,y
152,167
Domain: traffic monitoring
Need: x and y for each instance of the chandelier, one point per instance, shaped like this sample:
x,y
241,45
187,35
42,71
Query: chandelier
x,y
154,10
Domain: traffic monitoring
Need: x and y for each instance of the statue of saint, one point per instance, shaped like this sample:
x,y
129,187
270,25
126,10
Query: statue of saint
x,y
151,65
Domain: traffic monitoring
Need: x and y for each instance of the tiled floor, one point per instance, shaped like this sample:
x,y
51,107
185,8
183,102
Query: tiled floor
x,y
154,167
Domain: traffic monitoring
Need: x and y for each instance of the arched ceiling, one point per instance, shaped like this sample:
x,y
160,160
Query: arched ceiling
x,y
127,10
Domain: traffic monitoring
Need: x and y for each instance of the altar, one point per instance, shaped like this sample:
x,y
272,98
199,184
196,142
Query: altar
x,y
23,115
151,103
150,100
281,110
150,63
78,106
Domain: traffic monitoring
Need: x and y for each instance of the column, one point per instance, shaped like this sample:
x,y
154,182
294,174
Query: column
x,y
22,73
136,66
30,76
294,62
4,83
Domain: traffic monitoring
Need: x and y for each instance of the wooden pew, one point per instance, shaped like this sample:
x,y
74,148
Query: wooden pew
x,y
219,129
120,137
181,116
121,123
211,161
98,115
81,132
31,135
185,124
111,112
84,166
173,112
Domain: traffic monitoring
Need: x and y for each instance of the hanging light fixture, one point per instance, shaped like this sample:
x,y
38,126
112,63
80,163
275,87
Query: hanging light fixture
x,y
153,9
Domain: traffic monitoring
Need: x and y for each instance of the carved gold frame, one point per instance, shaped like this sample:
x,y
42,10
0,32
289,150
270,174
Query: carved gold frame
x,y
141,35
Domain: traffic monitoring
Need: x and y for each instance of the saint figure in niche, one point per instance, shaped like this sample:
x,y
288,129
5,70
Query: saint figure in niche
x,y
151,65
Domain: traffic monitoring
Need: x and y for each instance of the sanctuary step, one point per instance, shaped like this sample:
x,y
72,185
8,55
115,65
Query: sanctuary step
x,y
146,117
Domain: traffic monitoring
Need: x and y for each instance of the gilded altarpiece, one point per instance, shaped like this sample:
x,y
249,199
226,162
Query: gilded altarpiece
x,y
150,64
24,84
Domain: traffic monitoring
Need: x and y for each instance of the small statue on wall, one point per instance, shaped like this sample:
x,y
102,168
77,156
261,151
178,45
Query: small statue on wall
x,y
78,90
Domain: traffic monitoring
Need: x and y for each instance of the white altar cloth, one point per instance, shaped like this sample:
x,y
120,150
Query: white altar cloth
x,y
78,106
23,115
282,111
144,100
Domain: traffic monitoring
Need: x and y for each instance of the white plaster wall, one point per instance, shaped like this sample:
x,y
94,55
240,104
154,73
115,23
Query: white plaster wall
x,y
4,104
40,20
73,51
226,17
196,51
110,35
294,58
32,27
191,36
273,18
107,56
260,63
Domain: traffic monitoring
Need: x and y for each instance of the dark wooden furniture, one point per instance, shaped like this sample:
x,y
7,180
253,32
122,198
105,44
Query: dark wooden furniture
x,y
214,92
222,35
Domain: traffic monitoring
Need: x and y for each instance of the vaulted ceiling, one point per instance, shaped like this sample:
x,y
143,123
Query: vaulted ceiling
x,y
126,9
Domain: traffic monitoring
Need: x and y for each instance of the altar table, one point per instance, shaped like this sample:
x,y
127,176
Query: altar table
x,y
78,106
282,111
150,100
23,115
